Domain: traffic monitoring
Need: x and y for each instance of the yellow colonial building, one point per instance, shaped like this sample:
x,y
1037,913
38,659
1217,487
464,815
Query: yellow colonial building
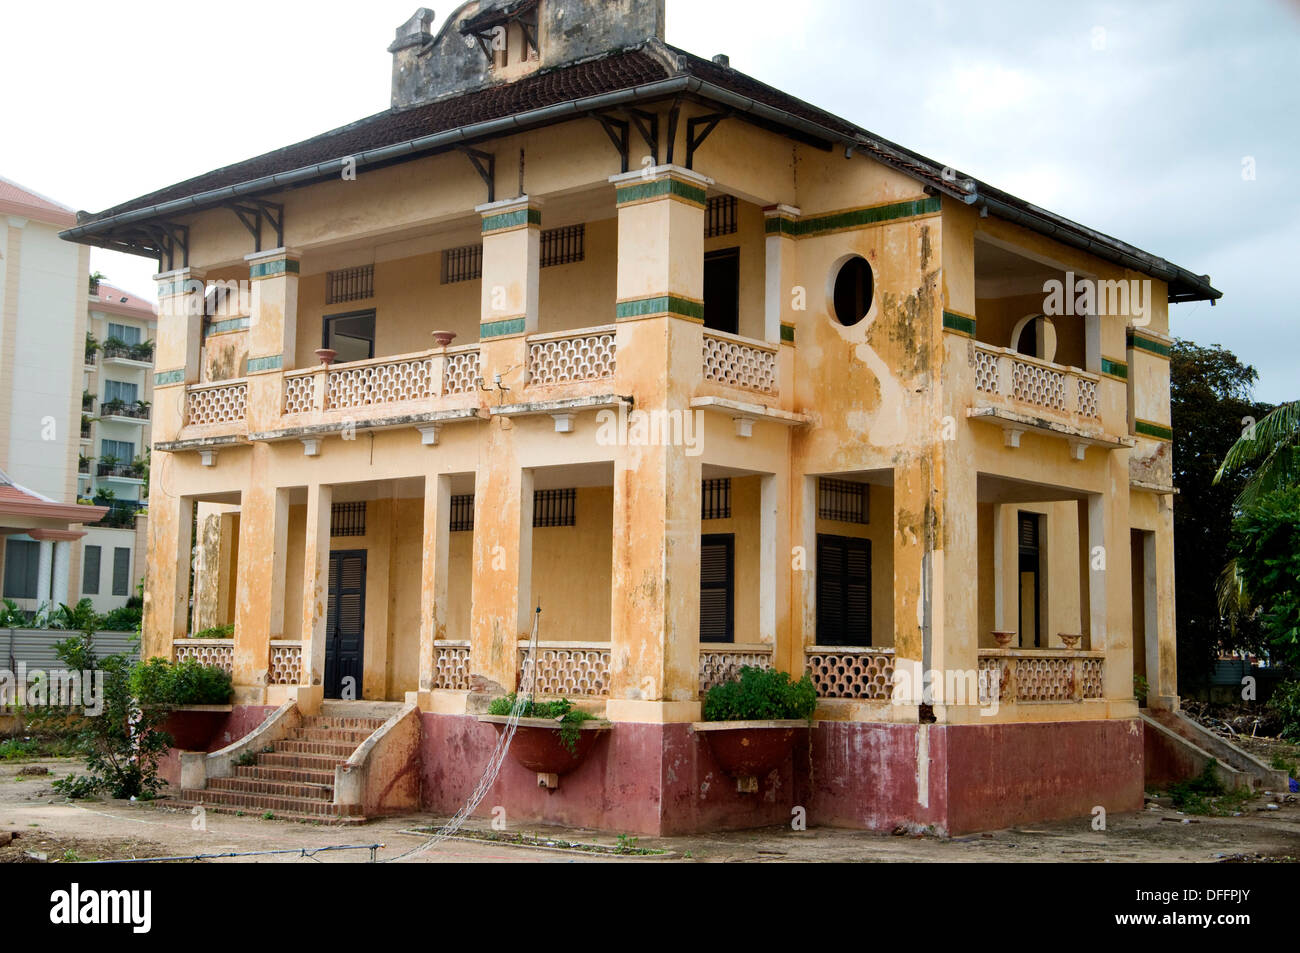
x,y
714,378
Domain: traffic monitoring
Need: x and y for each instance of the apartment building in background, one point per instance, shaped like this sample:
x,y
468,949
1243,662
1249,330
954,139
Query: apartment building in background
x,y
46,311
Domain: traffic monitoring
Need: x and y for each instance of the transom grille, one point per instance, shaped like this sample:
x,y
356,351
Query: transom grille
x,y
563,246
462,513
348,519
350,284
841,500
555,507
720,216
715,499
462,264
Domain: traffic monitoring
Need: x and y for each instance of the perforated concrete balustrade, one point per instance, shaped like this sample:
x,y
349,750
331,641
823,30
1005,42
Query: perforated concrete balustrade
x,y
221,403
451,665
218,652
569,358
382,381
1031,381
860,673
722,663
738,363
1041,675
285,663
568,669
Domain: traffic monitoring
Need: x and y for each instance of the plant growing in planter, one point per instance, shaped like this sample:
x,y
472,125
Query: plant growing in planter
x,y
752,721
552,738
112,407
142,351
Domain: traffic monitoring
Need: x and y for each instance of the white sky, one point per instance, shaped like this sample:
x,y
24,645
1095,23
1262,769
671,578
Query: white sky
x,y
1132,118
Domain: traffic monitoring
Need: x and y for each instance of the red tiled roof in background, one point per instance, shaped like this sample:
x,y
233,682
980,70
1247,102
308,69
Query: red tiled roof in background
x,y
118,301
16,200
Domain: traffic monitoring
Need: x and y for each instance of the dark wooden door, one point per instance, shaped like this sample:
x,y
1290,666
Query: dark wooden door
x,y
843,590
345,622
722,290
717,587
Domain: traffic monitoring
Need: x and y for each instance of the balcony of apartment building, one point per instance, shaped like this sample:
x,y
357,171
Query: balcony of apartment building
x,y
392,333
1058,375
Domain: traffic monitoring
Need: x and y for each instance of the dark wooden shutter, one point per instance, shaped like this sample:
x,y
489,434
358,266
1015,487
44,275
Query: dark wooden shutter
x,y
717,587
90,571
345,621
121,571
843,590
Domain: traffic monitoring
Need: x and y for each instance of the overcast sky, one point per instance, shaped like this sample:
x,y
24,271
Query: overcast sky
x,y
1137,119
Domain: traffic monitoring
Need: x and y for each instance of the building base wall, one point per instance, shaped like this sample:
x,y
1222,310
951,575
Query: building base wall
x,y
240,721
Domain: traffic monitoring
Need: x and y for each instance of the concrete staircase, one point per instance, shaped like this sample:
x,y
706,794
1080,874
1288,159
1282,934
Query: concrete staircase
x,y
1177,748
294,779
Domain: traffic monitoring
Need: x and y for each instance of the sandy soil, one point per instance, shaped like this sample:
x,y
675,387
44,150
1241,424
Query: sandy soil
x,y
48,824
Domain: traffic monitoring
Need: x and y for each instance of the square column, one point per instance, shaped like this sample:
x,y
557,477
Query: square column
x,y
1159,559
44,573
315,584
177,347
433,575
782,265
207,568
272,332
512,242
500,613
655,615
60,572
259,588
167,583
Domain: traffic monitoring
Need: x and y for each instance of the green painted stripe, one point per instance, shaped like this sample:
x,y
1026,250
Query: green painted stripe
x,y
163,378
496,329
270,269
959,322
258,364
1114,368
516,219
787,333
233,324
642,191
855,218
178,287
661,304
1138,340
1147,429
781,226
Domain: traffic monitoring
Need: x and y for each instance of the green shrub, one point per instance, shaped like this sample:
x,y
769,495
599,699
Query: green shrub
x,y
1285,702
157,682
760,694
217,632
122,619
561,710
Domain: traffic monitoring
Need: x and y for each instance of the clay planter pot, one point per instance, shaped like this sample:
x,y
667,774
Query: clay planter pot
x,y
192,728
747,750
443,338
537,745
326,355
1004,639
1070,641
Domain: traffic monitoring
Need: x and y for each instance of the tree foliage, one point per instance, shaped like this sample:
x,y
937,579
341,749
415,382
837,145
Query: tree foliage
x,y
1266,544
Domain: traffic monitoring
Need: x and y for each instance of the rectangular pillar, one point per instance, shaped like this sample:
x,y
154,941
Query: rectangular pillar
x,y
433,574
167,582
502,570
781,272
259,588
272,333
179,341
315,583
512,236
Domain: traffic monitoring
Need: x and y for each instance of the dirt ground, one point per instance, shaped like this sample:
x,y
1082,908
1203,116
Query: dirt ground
x,y
65,831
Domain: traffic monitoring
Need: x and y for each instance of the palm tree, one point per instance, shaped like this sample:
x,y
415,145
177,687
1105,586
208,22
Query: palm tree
x,y
1272,448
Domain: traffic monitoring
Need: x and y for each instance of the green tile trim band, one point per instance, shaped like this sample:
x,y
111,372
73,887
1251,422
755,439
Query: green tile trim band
x,y
1141,342
258,364
787,333
1146,428
854,218
163,378
959,323
271,269
661,304
497,329
233,324
1114,368
516,219
643,191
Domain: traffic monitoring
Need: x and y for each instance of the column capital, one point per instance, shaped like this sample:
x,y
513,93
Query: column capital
x,y
509,214
654,183
273,263
779,220
178,282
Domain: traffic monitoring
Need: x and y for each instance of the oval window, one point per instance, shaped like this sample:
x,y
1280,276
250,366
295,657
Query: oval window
x,y
853,288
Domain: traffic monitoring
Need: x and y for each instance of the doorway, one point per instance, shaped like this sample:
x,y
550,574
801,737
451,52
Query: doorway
x,y
1030,593
345,624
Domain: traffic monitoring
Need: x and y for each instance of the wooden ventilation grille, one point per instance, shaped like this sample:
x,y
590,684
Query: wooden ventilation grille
x,y
462,513
563,246
720,216
554,507
715,500
1028,534
348,519
462,264
350,284
841,500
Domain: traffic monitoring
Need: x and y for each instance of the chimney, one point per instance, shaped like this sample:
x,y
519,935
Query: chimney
x,y
723,60
415,31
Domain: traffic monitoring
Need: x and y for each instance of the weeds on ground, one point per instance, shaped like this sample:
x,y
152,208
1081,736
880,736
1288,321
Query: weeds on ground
x,y
1206,795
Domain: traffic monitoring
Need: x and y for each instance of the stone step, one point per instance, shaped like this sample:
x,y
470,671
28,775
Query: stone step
x,y
339,749
352,736
293,775
260,803
380,711
329,820
315,792
359,720
307,762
